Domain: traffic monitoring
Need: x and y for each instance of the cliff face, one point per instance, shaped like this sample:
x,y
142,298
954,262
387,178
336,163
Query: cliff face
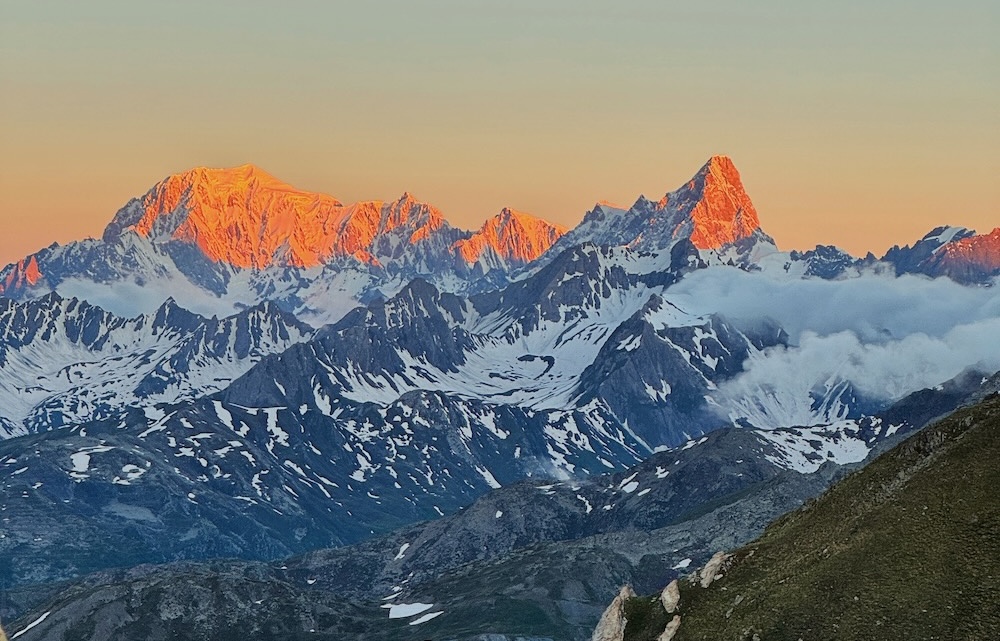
x,y
716,206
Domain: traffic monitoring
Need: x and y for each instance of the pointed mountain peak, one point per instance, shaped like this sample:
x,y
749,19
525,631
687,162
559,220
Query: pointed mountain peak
x,y
405,202
53,299
711,210
513,235
169,303
169,313
721,165
509,215
716,204
410,215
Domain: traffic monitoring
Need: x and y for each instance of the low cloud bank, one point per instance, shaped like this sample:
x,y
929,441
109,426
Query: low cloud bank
x,y
886,336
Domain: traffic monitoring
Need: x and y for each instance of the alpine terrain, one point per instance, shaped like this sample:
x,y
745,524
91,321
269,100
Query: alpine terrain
x,y
248,409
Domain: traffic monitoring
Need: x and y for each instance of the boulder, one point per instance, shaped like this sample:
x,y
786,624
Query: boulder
x,y
711,570
671,597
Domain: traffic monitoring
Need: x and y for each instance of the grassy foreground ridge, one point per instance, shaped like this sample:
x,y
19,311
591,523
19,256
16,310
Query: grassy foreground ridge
x,y
906,548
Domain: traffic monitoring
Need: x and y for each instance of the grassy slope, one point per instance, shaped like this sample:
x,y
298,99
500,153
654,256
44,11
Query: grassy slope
x,y
907,548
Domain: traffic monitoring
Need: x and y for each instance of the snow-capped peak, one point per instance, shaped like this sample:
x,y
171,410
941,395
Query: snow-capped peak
x,y
711,211
946,234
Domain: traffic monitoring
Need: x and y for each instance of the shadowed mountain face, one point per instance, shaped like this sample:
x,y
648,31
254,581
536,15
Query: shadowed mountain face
x,y
535,558
65,362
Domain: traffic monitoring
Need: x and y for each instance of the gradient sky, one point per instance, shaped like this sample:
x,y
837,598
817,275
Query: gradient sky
x,y
861,124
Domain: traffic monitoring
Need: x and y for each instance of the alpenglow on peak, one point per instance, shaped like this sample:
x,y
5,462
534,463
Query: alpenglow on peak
x,y
513,235
717,205
247,218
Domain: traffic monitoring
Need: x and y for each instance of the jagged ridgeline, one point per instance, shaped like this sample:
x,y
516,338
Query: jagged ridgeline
x,y
907,548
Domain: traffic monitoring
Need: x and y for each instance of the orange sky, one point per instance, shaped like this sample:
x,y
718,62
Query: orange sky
x,y
862,125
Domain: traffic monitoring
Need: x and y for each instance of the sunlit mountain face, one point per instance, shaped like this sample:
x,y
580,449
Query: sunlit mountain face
x,y
247,218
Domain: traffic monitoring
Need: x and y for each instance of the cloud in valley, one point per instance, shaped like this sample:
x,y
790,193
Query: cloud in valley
x,y
887,336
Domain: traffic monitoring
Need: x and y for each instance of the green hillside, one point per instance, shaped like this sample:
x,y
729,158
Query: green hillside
x,y
907,548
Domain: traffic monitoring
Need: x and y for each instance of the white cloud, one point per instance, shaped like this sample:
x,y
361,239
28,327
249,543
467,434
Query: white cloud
x,y
128,299
875,308
886,336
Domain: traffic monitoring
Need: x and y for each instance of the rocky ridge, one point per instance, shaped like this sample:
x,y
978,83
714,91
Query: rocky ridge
x,y
561,551
243,235
66,362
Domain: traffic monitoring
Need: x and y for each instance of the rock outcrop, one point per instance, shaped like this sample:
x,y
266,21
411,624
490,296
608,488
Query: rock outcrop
x,y
712,569
611,627
671,630
671,597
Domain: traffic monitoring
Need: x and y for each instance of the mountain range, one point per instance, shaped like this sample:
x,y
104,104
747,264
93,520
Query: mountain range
x,y
219,240
534,559
241,244
241,369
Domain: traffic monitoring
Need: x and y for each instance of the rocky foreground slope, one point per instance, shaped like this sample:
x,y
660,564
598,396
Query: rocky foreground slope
x,y
905,549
